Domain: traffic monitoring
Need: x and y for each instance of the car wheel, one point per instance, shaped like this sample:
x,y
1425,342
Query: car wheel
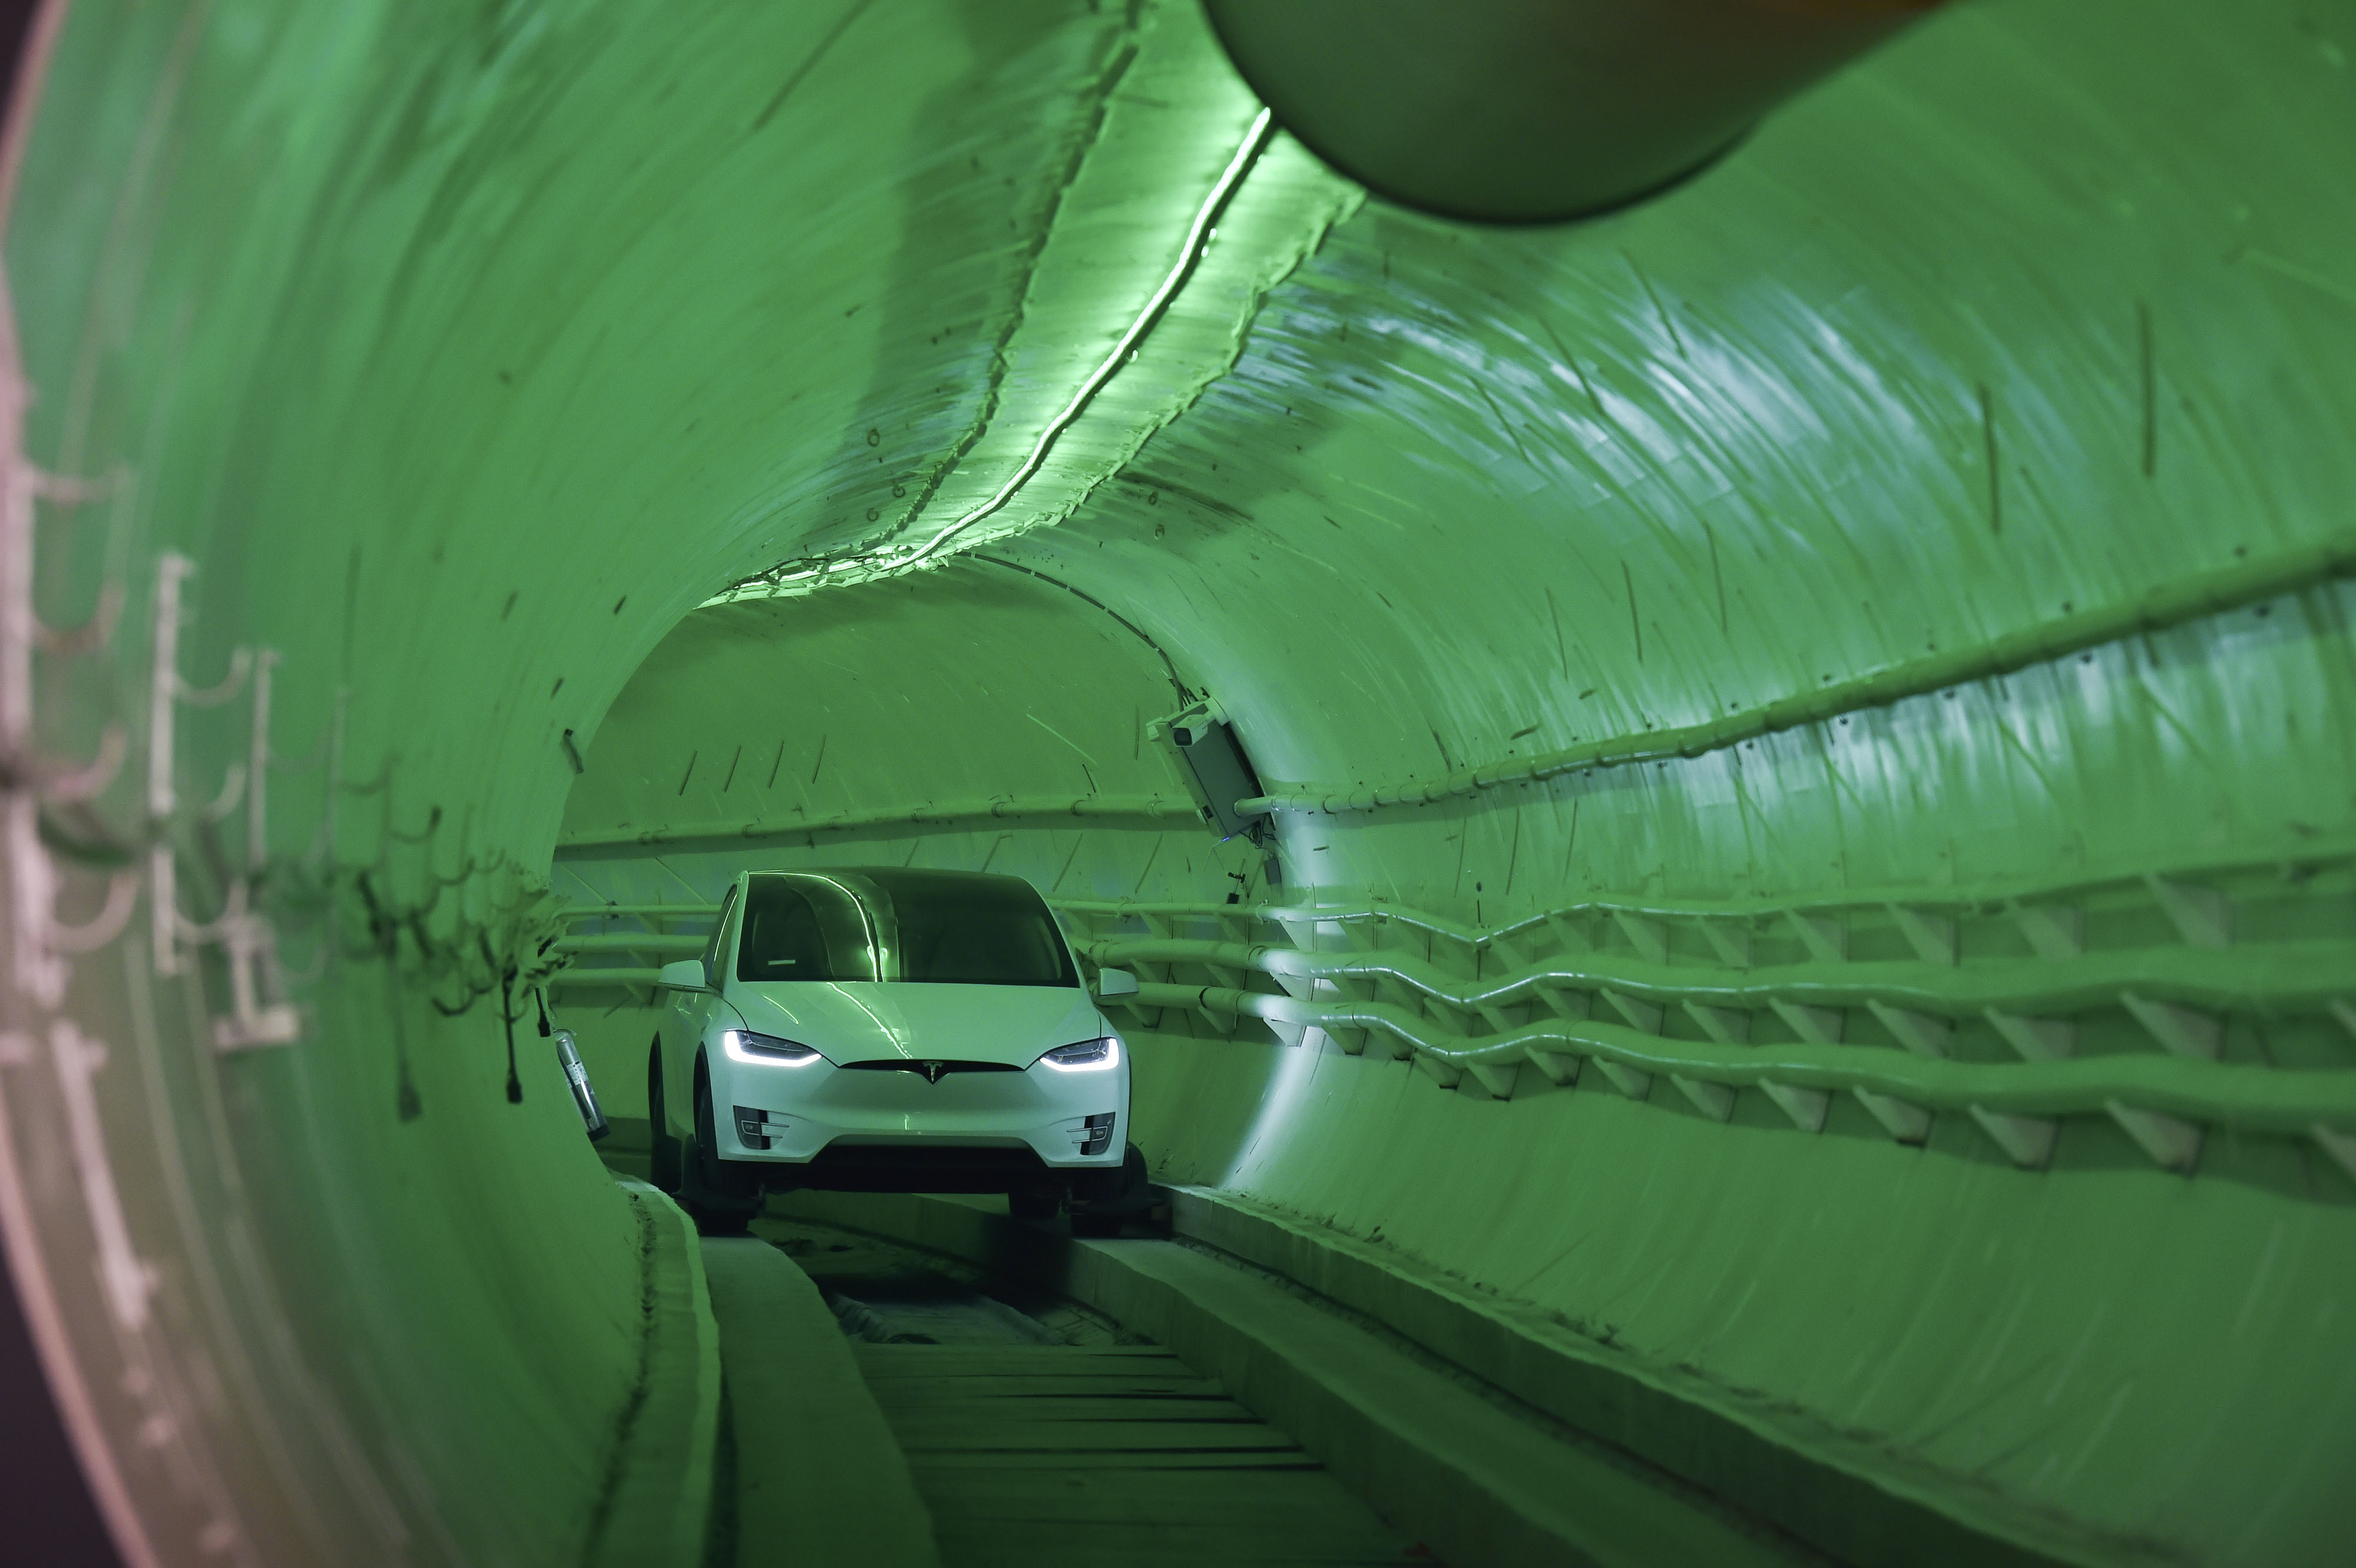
x,y
1031,1205
720,1196
663,1154
1136,1181
1125,1190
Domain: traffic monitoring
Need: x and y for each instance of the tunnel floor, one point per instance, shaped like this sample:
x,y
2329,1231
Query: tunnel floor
x,y
1038,1431
1040,1454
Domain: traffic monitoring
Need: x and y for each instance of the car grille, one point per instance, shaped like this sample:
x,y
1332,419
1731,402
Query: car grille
x,y
930,1069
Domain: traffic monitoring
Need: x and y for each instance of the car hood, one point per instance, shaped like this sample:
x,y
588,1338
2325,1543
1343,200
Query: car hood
x,y
859,1021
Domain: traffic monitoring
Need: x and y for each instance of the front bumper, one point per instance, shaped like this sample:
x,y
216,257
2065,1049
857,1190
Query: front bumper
x,y
787,1116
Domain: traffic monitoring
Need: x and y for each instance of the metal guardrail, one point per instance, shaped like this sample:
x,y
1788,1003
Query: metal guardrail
x,y
644,943
1610,992
2306,975
579,979
634,941
2185,892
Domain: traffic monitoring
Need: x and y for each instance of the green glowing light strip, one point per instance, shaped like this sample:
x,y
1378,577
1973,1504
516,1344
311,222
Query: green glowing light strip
x,y
885,560
1255,140
2169,605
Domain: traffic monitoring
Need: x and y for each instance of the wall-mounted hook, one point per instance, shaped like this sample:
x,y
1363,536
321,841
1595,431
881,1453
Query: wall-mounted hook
x,y
163,684
465,872
219,927
121,899
384,778
252,947
69,787
232,786
41,972
241,664
67,491
433,826
257,766
322,852
91,635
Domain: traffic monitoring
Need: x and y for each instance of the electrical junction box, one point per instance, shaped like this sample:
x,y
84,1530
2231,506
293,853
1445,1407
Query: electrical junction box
x,y
1212,761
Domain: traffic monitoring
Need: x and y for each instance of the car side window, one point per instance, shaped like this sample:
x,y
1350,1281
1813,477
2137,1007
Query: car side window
x,y
718,945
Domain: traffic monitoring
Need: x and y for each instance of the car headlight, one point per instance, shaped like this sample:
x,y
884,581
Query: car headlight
x,y
766,1050
1088,1055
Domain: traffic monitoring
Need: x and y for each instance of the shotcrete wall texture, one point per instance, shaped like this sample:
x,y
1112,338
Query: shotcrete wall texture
x,y
1958,471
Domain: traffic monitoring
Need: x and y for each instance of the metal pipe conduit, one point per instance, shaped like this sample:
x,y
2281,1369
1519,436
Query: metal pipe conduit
x,y
2246,1098
581,979
2303,976
633,941
2328,855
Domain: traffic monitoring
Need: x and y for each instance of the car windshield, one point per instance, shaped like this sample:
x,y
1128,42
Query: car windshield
x,y
943,928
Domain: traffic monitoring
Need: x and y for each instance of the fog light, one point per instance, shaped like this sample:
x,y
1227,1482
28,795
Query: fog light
x,y
757,1127
1096,1135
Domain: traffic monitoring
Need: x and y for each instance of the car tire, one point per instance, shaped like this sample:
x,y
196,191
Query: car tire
x,y
1032,1205
721,1195
662,1157
1125,1190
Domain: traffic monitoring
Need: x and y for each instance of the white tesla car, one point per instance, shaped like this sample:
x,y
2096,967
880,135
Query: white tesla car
x,y
890,1030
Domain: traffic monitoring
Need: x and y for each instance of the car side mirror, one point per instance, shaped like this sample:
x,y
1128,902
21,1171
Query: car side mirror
x,y
1116,982
686,974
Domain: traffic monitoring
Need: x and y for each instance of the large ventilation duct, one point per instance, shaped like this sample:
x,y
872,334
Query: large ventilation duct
x,y
1536,110
1804,727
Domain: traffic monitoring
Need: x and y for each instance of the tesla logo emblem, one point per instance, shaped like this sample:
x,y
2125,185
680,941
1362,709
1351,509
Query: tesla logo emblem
x,y
933,1070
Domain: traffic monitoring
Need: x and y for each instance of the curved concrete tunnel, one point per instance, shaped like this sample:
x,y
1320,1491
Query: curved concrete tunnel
x,y
1802,727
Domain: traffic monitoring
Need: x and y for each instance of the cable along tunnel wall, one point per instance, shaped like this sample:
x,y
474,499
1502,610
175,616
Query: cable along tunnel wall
x,y
461,355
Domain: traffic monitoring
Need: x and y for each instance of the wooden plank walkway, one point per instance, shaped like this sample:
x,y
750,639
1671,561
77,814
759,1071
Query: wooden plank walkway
x,y
1111,1454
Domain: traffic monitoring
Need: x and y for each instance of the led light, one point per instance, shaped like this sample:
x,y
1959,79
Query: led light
x,y
766,1050
1088,1055
1262,127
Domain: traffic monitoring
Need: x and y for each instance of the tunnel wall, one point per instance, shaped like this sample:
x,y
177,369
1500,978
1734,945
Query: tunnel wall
x,y
465,352
1974,341
1737,445
281,313
1997,440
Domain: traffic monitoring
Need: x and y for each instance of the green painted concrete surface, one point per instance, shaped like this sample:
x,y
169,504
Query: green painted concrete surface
x,y
1939,508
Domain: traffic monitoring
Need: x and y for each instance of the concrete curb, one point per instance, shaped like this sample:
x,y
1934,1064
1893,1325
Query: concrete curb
x,y
659,1501
820,1478
1839,1497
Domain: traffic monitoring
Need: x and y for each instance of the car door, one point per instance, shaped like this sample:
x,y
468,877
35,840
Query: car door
x,y
687,1015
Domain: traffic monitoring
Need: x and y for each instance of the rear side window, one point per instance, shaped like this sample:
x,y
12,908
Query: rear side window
x,y
942,928
805,927
717,948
